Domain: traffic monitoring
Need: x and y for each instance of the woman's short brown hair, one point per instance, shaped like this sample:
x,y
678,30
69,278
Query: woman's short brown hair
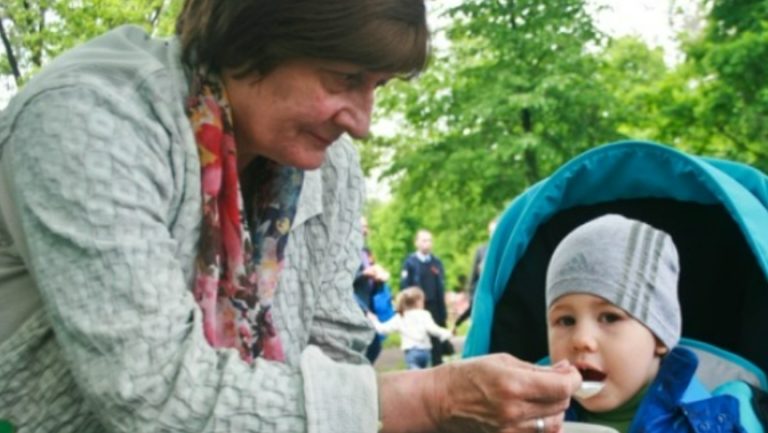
x,y
257,35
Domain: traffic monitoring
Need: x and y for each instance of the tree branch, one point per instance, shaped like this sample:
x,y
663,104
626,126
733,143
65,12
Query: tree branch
x,y
531,166
154,18
512,15
9,52
37,51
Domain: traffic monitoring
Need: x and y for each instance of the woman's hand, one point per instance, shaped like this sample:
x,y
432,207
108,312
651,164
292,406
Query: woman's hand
x,y
500,393
493,393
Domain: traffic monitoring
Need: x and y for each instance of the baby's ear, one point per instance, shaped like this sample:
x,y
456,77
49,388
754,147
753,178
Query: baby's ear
x,y
661,349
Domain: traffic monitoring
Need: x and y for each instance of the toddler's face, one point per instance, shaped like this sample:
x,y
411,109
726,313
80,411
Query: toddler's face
x,y
606,344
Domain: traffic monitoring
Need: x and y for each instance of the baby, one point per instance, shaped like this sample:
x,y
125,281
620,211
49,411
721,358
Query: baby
x,y
612,311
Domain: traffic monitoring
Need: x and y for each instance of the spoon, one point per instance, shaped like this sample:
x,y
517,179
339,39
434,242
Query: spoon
x,y
588,389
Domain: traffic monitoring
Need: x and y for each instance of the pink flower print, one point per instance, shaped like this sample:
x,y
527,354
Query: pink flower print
x,y
237,275
272,347
269,269
226,335
269,248
206,288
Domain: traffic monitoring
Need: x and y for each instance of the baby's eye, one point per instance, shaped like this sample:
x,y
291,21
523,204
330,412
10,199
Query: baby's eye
x,y
565,321
609,317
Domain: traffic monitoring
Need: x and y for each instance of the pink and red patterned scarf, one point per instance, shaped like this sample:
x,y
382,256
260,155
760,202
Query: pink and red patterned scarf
x,y
237,268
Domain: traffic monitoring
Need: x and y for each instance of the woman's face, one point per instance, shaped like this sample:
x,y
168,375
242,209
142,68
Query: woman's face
x,y
295,112
606,344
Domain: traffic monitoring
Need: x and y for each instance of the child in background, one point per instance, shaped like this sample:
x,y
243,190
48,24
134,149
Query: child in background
x,y
613,312
415,325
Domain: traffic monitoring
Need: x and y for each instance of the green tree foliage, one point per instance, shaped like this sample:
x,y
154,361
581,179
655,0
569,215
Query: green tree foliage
x,y
515,96
717,101
522,87
34,31
527,85
632,72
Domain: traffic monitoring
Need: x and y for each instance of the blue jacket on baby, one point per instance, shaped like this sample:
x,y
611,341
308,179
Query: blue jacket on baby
x,y
676,402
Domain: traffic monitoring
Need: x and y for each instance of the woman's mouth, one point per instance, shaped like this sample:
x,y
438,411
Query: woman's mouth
x,y
324,141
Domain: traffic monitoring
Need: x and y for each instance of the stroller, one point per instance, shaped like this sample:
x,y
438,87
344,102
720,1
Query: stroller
x,y
717,214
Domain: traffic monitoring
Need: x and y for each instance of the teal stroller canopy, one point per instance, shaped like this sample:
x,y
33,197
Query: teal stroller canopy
x,y
715,210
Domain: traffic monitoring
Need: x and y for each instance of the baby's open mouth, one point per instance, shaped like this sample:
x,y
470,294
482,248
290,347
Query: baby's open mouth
x,y
592,383
590,375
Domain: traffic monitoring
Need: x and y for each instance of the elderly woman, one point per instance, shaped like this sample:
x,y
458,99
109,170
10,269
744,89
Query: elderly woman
x,y
179,231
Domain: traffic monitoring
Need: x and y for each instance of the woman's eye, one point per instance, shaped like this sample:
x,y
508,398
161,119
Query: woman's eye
x,y
352,80
337,81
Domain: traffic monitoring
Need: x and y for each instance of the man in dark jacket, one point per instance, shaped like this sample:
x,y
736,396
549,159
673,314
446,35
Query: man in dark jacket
x,y
425,270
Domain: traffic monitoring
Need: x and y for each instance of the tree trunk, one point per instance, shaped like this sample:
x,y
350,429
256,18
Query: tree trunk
x,y
10,54
529,154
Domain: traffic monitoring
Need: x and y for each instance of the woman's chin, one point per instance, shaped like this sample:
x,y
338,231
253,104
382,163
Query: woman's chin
x,y
306,160
310,162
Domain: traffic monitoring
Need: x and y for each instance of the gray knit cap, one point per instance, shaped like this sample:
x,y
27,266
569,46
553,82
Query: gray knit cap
x,y
627,262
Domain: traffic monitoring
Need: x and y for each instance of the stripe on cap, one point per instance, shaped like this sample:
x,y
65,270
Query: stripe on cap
x,y
628,259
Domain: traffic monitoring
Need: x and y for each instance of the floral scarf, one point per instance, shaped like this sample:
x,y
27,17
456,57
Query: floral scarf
x,y
237,268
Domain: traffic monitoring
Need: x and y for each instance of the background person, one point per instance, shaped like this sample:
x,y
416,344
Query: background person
x,y
372,292
425,270
415,326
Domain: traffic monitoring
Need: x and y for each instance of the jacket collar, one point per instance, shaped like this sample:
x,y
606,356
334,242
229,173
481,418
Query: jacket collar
x,y
311,198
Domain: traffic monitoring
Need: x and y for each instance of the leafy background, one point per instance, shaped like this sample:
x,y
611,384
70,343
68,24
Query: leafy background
x,y
518,88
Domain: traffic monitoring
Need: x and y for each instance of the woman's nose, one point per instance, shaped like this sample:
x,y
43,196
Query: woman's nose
x,y
355,114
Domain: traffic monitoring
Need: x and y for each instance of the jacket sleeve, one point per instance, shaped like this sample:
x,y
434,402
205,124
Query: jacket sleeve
x,y
96,195
388,327
437,331
339,328
360,278
663,408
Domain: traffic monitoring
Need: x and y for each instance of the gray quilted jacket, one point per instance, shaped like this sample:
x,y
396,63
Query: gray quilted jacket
x,y
99,223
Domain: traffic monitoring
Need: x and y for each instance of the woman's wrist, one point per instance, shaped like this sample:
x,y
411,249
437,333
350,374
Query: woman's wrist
x,y
439,399
411,401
